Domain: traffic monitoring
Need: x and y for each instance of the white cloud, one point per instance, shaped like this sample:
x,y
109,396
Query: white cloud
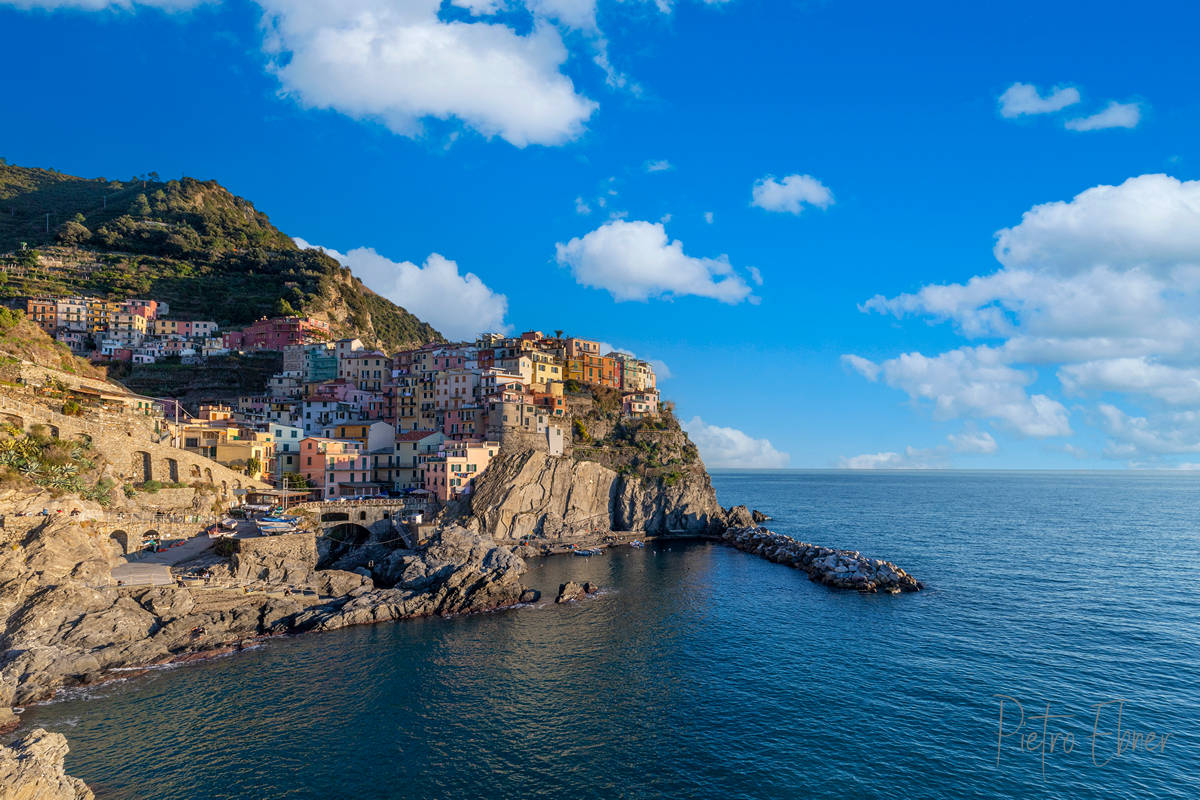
x,y
974,382
1114,115
708,217
911,458
460,306
1024,98
100,5
973,442
1104,288
581,207
863,366
1141,375
636,261
657,166
970,441
791,194
731,448
398,63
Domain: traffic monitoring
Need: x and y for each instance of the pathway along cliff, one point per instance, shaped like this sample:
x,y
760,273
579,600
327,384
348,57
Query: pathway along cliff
x,y
66,624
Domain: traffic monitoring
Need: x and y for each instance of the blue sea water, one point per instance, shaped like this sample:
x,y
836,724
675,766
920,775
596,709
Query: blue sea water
x,y
702,672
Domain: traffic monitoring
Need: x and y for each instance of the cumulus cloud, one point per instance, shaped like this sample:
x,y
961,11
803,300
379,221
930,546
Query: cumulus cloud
x,y
1150,221
658,166
1021,99
1114,115
975,382
100,5
791,194
474,62
973,442
731,448
459,305
970,441
1141,375
399,63
708,217
635,260
911,458
1102,288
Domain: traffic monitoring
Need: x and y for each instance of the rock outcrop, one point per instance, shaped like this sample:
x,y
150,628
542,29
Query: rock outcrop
x,y
841,569
31,768
457,572
526,494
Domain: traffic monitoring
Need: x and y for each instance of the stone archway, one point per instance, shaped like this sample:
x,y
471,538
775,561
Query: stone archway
x,y
148,535
53,430
141,466
208,475
348,533
224,488
194,472
122,540
172,470
335,516
12,419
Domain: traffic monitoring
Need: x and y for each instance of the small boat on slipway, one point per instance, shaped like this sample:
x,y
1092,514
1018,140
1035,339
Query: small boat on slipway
x,y
595,551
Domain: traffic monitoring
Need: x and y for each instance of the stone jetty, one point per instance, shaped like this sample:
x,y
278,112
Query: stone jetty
x,y
841,569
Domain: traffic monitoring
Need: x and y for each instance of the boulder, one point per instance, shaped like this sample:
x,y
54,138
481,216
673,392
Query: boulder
x,y
569,592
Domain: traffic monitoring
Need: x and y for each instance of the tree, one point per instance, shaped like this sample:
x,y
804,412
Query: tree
x,y
140,207
284,309
294,480
73,233
253,466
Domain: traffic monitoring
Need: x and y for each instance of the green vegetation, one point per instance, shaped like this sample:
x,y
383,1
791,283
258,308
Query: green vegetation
x,y
21,340
294,480
207,252
60,465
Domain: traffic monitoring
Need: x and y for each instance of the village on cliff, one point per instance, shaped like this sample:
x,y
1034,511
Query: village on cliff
x,y
343,420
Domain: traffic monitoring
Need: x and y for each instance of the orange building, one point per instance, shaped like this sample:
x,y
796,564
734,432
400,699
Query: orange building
x,y
43,312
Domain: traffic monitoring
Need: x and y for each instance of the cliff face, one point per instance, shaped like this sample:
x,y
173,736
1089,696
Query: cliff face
x,y
31,768
527,494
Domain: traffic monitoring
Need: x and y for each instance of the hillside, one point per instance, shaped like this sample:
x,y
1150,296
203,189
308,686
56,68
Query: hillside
x,y
207,252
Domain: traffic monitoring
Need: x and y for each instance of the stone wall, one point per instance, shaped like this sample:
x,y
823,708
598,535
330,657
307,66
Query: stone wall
x,y
290,558
129,443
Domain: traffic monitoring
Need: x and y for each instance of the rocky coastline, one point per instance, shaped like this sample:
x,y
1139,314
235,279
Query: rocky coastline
x,y
64,622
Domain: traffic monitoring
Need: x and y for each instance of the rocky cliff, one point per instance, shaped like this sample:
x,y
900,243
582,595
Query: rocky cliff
x,y
532,495
31,768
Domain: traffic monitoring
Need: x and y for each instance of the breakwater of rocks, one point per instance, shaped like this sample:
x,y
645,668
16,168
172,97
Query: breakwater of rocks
x,y
841,569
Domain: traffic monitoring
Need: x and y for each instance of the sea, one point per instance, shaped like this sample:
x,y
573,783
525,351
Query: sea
x,y
1055,653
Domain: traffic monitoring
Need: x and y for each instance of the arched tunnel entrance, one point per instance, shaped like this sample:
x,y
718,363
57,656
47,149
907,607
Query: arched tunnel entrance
x,y
340,540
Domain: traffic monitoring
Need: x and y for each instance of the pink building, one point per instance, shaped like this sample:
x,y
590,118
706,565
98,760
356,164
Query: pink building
x,y
451,472
277,333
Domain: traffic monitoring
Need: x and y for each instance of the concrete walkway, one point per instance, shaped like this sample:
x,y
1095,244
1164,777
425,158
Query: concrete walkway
x,y
155,569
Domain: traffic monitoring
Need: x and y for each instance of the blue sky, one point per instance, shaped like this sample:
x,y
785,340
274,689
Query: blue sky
x,y
593,164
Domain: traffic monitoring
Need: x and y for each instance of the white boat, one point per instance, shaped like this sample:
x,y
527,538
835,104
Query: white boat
x,y
636,543
229,524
